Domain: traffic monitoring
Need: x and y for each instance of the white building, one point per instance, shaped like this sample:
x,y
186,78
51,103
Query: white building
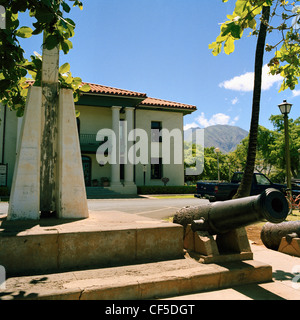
x,y
106,108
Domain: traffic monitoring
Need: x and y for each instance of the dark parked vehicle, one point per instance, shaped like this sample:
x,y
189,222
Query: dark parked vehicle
x,y
226,190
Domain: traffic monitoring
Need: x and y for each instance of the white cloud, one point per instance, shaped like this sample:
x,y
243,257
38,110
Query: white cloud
x,y
245,81
190,126
218,118
235,101
296,93
235,120
202,120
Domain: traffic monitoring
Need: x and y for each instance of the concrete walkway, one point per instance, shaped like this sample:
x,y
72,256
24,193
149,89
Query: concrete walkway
x,y
286,272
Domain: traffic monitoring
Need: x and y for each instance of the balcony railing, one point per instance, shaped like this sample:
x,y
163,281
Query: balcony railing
x,y
88,139
88,142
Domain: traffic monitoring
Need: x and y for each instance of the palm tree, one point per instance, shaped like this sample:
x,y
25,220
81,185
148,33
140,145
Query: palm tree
x,y
245,186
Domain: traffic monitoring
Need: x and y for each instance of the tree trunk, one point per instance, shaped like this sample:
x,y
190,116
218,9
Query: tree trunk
x,y
49,125
245,186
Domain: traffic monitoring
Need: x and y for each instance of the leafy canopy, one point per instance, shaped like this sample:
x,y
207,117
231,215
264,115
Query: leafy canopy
x,y
285,19
14,68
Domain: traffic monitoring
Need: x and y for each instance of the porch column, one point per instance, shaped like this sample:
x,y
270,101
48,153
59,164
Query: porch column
x,y
115,167
128,170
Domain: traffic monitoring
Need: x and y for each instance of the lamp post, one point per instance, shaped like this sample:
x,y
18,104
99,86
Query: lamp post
x,y
285,109
217,150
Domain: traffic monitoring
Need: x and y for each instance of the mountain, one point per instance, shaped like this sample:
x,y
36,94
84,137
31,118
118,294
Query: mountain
x,y
224,137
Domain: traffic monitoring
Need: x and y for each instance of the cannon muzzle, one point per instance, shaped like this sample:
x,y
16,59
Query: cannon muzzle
x,y
223,216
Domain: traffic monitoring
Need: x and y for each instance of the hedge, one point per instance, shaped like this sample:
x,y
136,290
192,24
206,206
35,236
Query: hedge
x,y
166,189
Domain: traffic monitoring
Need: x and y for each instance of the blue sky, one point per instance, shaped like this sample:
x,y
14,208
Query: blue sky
x,y
160,47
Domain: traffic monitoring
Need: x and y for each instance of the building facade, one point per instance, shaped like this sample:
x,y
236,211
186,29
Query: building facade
x,y
106,111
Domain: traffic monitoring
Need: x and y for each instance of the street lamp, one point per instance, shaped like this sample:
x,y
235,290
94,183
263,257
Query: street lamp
x,y
217,150
285,109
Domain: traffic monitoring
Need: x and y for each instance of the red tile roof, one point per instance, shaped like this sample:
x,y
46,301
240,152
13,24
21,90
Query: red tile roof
x,y
100,89
97,88
164,103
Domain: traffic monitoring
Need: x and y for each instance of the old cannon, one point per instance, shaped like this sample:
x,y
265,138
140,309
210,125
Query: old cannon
x,y
221,217
272,234
216,228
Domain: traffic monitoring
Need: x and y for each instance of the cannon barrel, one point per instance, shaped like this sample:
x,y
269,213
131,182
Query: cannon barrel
x,y
271,234
223,216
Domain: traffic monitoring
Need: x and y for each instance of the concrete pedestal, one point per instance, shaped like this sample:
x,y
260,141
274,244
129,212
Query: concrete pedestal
x,y
110,255
70,195
231,246
290,247
71,199
104,239
25,193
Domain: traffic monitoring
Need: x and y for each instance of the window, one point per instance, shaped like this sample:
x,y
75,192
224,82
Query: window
x,y
156,168
155,131
262,180
78,125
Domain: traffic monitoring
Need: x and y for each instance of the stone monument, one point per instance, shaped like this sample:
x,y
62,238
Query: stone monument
x,y
48,177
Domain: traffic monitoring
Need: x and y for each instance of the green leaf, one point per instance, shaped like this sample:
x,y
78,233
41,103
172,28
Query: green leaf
x,y
64,68
51,42
4,84
68,79
85,88
20,112
66,7
66,45
240,7
44,15
229,45
234,29
70,22
24,32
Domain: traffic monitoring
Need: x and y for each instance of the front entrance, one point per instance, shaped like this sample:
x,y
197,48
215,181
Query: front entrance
x,y
87,170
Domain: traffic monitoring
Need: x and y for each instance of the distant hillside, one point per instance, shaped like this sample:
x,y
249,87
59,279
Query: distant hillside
x,y
224,137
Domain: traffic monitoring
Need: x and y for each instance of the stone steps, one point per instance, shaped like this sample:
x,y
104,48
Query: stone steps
x,y
110,255
137,282
104,239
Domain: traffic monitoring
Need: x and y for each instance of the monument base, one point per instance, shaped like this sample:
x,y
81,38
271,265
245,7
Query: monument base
x,y
231,246
104,239
110,255
68,191
291,247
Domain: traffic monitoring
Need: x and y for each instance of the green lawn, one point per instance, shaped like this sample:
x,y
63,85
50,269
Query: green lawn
x,y
171,196
294,216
